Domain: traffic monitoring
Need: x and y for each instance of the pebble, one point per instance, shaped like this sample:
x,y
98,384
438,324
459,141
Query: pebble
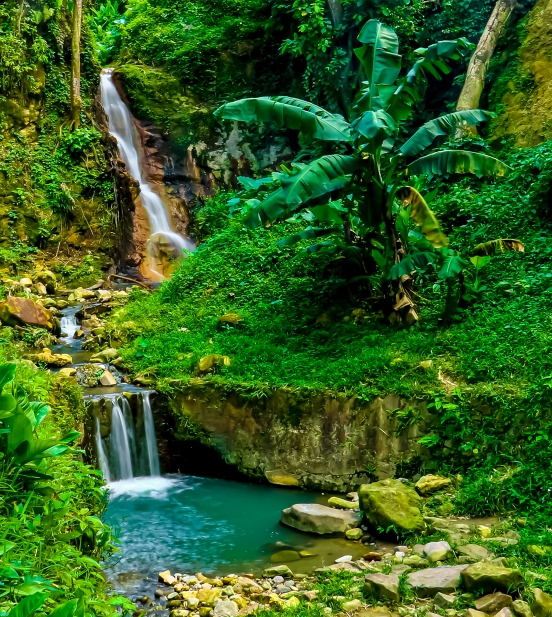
x,y
344,559
278,579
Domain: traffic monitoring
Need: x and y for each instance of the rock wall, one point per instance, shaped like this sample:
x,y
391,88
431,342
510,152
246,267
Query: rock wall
x,y
528,109
318,442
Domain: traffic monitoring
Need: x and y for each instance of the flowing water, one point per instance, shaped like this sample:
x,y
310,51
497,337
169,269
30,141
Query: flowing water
x,y
121,127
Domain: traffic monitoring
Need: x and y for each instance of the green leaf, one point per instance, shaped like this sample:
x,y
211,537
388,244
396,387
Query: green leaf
x,y
36,449
251,184
7,374
21,429
40,410
326,214
290,113
28,605
426,135
458,162
73,608
322,176
452,266
375,126
5,546
27,589
480,262
412,262
494,247
308,233
379,56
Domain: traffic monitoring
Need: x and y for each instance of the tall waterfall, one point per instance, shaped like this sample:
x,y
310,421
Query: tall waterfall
x,y
120,126
130,449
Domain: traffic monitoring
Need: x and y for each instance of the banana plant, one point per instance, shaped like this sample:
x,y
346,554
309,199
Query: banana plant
x,y
21,449
359,193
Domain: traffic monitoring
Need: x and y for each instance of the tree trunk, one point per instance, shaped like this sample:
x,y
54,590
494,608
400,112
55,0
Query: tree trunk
x,y
479,62
76,102
336,11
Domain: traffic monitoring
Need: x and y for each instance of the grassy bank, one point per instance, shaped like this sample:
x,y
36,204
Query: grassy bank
x,y
52,536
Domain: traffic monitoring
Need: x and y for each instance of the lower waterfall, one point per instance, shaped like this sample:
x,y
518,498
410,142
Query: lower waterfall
x,y
130,448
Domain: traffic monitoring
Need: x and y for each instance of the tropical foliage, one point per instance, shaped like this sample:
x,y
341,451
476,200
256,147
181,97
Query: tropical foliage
x,y
360,196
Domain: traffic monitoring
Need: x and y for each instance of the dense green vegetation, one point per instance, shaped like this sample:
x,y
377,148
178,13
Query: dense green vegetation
x,y
50,502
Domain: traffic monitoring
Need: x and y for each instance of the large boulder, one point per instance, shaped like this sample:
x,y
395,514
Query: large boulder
x,y
390,503
542,603
493,602
444,579
489,577
25,312
316,518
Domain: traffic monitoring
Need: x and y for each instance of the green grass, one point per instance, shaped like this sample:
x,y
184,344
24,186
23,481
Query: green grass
x,y
499,344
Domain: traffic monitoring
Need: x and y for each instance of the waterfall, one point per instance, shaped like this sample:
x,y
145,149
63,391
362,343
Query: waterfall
x,y
130,450
102,456
151,440
69,325
120,451
121,127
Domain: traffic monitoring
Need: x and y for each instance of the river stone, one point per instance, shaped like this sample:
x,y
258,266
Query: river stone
x,y
87,375
437,551
276,571
382,585
390,503
166,577
486,576
47,357
107,379
493,602
542,603
209,596
504,612
67,372
522,609
285,555
247,586
351,606
428,582
444,600
473,550
427,485
24,312
225,608
472,612
337,502
354,534
48,279
315,518
41,289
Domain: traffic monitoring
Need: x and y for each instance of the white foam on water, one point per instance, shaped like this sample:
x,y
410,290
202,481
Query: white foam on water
x,y
156,487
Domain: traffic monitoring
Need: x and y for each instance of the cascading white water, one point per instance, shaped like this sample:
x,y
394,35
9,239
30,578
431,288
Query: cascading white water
x,y
69,326
151,440
120,445
102,455
120,126
131,448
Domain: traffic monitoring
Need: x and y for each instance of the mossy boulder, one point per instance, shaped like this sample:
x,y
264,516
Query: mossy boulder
x,y
489,577
24,312
542,603
431,484
390,503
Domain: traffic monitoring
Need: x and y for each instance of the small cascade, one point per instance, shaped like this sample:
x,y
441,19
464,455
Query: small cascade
x,y
151,441
129,449
121,127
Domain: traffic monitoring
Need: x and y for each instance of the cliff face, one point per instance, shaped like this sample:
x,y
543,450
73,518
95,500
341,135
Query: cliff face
x,y
528,102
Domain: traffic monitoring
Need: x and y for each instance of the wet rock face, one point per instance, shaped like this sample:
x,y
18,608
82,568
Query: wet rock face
x,y
297,442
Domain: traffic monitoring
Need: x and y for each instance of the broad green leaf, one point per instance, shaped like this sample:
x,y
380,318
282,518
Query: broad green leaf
x,y
412,262
8,403
35,449
21,429
28,589
480,262
458,162
68,609
291,113
452,266
375,126
444,125
251,184
423,216
5,546
322,176
7,374
494,247
307,234
314,248
40,410
29,605
326,214
379,55
70,436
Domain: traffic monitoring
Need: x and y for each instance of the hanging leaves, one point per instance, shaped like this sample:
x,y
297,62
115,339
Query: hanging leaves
x,y
423,216
502,245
